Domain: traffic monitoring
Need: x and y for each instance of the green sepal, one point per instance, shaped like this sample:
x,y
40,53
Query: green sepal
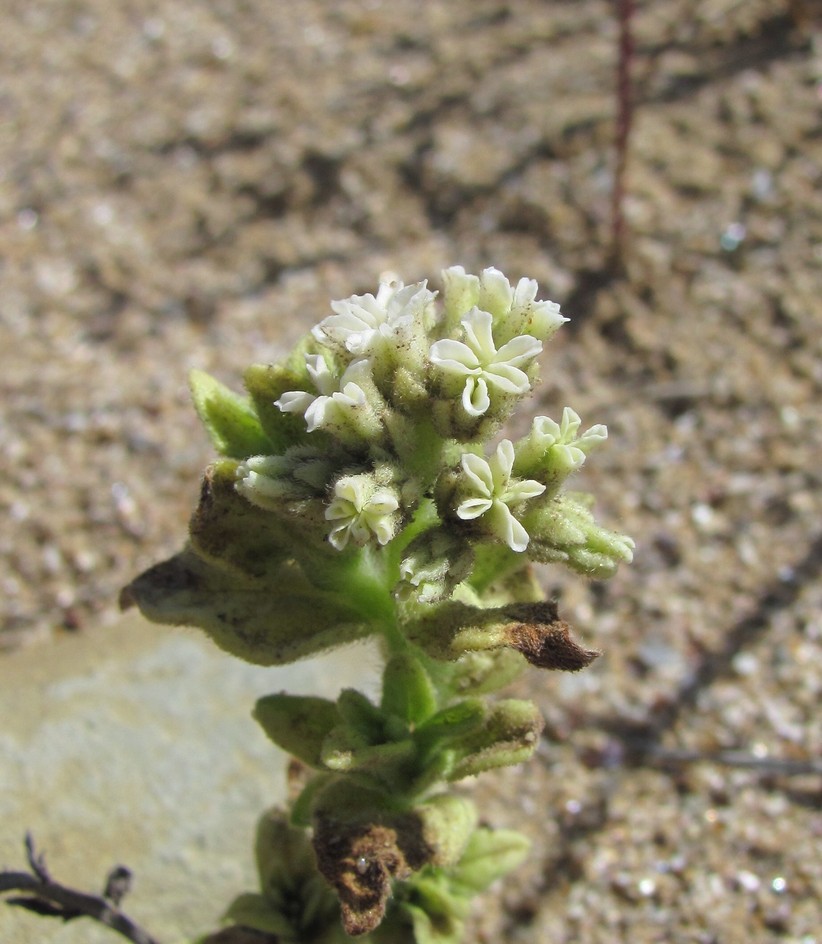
x,y
229,418
508,736
267,622
298,724
489,854
407,691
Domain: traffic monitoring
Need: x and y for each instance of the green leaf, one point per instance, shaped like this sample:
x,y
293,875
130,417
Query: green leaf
x,y
229,418
481,673
407,691
451,723
361,715
508,736
448,822
227,529
267,622
433,929
490,854
254,911
265,384
303,807
297,723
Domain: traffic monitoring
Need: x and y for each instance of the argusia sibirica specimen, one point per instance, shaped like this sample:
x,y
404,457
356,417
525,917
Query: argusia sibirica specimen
x,y
363,490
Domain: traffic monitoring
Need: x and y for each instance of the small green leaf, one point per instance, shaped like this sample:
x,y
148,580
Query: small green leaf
x,y
303,806
407,691
433,928
229,418
362,716
508,736
448,822
490,854
297,723
451,723
254,911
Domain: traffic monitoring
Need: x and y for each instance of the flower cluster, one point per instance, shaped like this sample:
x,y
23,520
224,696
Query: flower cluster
x,y
402,391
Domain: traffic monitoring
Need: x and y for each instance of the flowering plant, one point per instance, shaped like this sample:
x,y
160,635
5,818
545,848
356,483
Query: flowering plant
x,y
356,495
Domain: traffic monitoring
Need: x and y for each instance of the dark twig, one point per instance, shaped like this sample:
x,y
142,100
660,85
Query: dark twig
x,y
624,118
770,765
46,897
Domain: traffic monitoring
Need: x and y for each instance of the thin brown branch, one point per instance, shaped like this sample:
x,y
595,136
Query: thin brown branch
x,y
45,896
624,120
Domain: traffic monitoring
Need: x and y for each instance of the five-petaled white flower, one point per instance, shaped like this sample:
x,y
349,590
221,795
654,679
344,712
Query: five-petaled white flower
x,y
363,323
333,393
361,510
482,365
490,482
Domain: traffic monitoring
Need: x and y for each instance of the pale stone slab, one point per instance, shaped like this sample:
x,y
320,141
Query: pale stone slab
x,y
134,744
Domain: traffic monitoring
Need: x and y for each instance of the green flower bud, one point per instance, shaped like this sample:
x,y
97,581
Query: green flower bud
x,y
434,564
564,529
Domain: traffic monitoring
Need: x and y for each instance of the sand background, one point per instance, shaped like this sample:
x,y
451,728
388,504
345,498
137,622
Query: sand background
x,y
187,184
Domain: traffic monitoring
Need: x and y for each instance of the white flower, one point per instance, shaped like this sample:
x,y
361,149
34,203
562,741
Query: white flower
x,y
479,361
364,323
515,310
540,319
490,482
319,409
361,510
567,449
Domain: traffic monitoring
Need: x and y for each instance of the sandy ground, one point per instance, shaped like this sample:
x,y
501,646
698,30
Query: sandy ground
x,y
187,184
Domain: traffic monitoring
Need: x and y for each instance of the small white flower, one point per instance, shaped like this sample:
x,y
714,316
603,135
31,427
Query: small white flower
x,y
482,365
362,324
493,491
360,510
567,449
515,310
333,394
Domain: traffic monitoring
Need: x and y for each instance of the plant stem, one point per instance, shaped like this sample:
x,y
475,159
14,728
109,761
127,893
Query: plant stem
x,y
625,103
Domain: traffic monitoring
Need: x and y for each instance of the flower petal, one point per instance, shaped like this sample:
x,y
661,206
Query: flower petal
x,y
453,356
478,472
475,399
473,508
478,334
519,350
506,527
507,378
523,489
295,401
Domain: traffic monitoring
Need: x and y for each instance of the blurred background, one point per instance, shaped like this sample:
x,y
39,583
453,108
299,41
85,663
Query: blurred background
x,y
187,184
